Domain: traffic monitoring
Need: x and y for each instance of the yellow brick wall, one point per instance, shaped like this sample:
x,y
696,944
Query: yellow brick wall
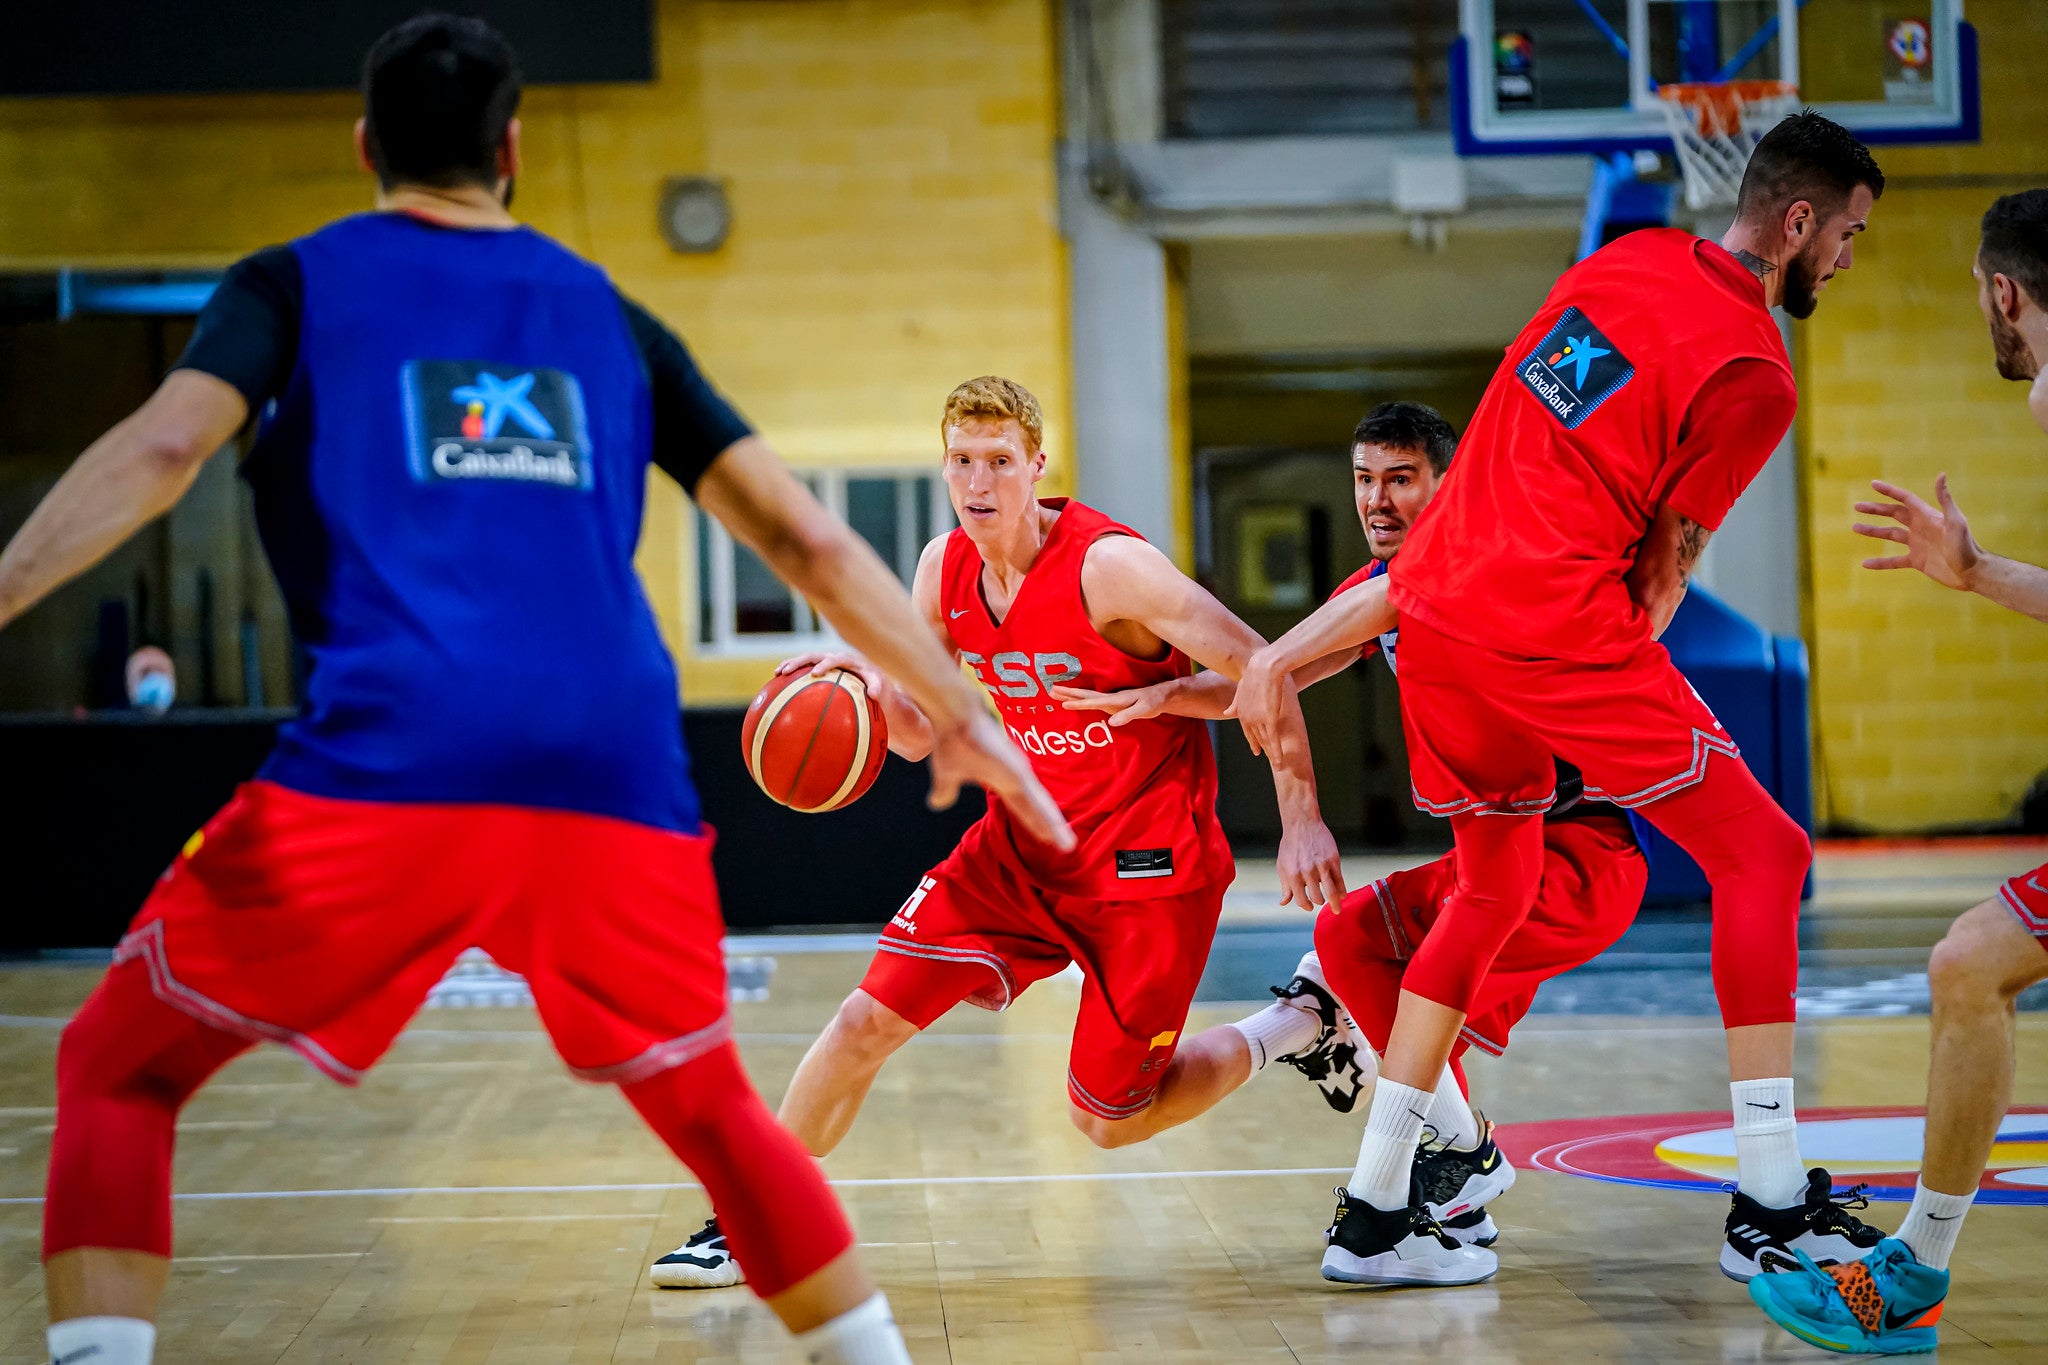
x,y
889,162
1931,707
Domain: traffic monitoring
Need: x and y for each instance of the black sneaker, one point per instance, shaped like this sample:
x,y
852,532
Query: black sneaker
x,y
703,1262
1456,1182
1399,1246
1763,1241
1332,1060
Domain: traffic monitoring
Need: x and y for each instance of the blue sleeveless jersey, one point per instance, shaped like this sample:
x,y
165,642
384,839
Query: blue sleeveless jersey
x,y
450,489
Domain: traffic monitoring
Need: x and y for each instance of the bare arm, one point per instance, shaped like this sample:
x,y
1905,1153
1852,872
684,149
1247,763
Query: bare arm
x,y
1334,633
751,492
910,730
124,480
1939,544
1208,695
1124,579
1665,559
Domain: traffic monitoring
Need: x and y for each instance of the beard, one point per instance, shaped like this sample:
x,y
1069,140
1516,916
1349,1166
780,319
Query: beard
x,y
2015,357
1802,284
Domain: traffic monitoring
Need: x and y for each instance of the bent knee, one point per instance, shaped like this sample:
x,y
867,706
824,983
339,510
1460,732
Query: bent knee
x,y
869,1029
1985,955
1107,1134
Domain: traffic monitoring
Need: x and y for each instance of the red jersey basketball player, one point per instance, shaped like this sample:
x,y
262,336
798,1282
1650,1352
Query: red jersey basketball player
x,y
1626,418
1037,594
1889,1301
1593,876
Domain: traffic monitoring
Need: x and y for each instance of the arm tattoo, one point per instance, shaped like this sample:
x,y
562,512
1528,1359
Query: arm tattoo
x,y
1758,266
1692,542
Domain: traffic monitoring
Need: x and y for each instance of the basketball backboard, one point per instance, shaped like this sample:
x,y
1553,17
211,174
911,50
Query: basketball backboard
x,y
1534,77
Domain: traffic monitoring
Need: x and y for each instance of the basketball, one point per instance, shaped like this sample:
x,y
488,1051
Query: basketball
x,y
814,743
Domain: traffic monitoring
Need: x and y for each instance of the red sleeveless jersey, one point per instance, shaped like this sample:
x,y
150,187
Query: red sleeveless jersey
x,y
1141,797
1569,455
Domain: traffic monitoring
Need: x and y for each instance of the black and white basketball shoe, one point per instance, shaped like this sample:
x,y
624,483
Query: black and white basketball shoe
x,y
1764,1241
703,1262
1398,1246
1332,1061
1457,1185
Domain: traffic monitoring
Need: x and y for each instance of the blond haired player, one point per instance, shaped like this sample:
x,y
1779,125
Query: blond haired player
x,y
1035,594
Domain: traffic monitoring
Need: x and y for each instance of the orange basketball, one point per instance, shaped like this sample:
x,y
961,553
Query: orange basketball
x,y
814,744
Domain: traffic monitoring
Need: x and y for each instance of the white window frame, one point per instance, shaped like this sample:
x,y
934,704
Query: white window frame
x,y
719,590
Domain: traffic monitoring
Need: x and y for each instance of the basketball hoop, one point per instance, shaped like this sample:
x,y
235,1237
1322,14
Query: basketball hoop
x,y
1715,126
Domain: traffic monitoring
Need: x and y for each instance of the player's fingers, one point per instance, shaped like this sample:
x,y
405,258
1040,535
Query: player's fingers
x,y
945,787
1895,534
1336,881
1948,503
1890,490
1895,562
1041,816
1880,509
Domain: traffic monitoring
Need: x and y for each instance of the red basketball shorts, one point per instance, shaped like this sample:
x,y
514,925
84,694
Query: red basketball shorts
x,y
976,929
1484,728
1593,879
2027,896
322,924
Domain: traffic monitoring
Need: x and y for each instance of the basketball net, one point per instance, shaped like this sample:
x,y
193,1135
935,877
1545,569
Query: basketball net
x,y
1715,126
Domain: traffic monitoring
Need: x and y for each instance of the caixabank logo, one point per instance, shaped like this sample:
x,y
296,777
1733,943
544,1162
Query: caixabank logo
x,y
473,420
1876,1147
1574,369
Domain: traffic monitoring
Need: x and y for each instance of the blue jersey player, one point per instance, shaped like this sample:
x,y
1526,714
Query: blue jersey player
x,y
456,419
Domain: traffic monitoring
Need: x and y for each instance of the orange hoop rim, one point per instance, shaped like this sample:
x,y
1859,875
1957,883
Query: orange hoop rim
x,y
1717,106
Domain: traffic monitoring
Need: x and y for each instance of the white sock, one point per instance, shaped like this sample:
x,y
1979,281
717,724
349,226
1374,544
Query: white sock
x,y
1278,1030
102,1341
1767,1165
862,1335
1932,1224
1386,1154
1451,1116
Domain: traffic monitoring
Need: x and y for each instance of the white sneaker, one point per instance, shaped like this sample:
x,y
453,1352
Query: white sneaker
x,y
703,1262
1399,1246
1338,1060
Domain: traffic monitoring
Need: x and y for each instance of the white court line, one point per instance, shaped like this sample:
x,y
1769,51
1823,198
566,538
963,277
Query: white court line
x,y
877,1182
276,1256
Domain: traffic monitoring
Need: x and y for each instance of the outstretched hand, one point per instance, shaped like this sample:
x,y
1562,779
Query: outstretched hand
x,y
1137,703
980,752
1937,539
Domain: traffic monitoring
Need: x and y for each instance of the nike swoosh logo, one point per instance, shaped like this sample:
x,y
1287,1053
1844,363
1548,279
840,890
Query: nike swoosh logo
x,y
1937,1218
956,615
1894,1321
1419,1116
81,1354
1754,1105
701,1262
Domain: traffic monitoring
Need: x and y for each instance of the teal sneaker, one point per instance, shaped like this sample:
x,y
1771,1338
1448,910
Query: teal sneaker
x,y
1885,1304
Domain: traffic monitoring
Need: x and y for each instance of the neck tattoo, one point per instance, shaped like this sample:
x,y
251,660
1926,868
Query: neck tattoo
x,y
1755,264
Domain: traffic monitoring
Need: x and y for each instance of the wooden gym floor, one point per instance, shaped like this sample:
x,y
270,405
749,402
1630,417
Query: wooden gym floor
x,y
471,1203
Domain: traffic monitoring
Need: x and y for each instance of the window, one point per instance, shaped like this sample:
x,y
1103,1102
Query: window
x,y
742,608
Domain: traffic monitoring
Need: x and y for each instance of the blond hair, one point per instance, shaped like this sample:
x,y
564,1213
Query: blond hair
x,y
995,399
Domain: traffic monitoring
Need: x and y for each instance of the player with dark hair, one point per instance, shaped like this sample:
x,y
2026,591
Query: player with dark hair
x,y
1593,878
1890,1301
1628,415
1811,159
457,416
